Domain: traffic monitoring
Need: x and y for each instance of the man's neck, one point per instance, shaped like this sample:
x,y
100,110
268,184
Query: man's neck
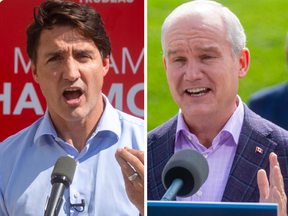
x,y
77,133
207,127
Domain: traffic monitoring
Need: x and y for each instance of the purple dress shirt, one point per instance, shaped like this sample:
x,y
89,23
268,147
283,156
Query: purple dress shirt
x,y
219,156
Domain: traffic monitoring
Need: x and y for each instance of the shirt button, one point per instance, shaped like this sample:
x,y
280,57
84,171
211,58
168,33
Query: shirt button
x,y
76,195
77,163
57,140
199,193
205,155
189,137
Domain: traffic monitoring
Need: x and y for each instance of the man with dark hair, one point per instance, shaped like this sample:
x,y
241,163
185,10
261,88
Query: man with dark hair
x,y
70,49
204,57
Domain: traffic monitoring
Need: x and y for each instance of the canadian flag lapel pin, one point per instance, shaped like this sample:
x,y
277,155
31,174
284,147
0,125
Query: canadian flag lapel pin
x,y
259,150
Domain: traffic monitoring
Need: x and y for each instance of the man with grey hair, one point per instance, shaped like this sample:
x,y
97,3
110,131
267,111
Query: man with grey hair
x,y
272,103
204,56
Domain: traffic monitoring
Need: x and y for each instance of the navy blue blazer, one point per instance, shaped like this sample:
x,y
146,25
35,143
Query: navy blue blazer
x,y
272,104
242,180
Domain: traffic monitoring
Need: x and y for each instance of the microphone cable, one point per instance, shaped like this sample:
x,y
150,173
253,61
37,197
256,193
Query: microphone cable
x,y
78,206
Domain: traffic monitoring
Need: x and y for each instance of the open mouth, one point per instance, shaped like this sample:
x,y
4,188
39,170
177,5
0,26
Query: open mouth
x,y
72,93
197,92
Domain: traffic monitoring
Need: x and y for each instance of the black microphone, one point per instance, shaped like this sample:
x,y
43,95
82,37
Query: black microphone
x,y
61,178
184,174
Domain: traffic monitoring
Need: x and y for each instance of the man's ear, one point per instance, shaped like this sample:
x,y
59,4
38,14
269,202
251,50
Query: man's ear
x,y
106,63
165,63
244,62
34,73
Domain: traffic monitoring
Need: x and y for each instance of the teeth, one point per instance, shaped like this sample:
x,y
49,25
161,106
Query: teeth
x,y
197,90
71,89
200,94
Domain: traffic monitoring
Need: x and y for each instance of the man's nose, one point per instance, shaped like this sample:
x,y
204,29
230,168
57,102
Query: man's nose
x,y
71,69
193,72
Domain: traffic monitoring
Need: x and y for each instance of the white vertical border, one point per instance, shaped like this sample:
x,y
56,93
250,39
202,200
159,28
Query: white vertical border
x,y
145,107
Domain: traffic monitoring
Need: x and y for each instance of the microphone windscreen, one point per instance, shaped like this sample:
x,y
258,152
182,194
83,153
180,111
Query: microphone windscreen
x,y
65,166
188,165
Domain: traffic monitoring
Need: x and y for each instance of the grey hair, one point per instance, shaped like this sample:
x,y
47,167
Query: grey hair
x,y
235,31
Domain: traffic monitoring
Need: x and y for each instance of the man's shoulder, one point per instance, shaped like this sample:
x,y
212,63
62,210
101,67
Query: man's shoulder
x,y
115,117
263,126
272,103
272,93
20,138
130,119
166,129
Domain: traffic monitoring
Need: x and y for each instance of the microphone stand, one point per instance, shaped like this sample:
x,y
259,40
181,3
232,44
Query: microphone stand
x,y
174,188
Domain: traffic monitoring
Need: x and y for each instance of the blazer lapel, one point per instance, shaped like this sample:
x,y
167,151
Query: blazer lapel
x,y
242,180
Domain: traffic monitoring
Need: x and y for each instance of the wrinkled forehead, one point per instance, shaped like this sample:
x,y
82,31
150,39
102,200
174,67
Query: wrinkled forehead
x,y
197,20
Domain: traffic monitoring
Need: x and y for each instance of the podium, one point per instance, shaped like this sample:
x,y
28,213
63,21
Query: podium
x,y
177,208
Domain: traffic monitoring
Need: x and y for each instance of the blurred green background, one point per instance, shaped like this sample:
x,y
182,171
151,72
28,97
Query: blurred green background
x,y
266,25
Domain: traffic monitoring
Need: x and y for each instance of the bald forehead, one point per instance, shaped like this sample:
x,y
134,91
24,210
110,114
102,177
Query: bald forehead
x,y
196,21
204,10
207,19
203,23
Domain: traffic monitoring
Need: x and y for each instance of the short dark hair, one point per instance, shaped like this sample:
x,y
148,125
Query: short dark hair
x,y
64,13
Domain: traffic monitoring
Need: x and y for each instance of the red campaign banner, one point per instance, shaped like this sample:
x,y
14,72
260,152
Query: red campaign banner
x,y
21,101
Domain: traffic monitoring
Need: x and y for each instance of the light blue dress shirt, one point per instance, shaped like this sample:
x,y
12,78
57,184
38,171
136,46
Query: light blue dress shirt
x,y
28,158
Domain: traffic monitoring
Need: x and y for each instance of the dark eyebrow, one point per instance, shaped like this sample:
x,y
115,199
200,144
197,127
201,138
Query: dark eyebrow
x,y
53,53
60,52
79,51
